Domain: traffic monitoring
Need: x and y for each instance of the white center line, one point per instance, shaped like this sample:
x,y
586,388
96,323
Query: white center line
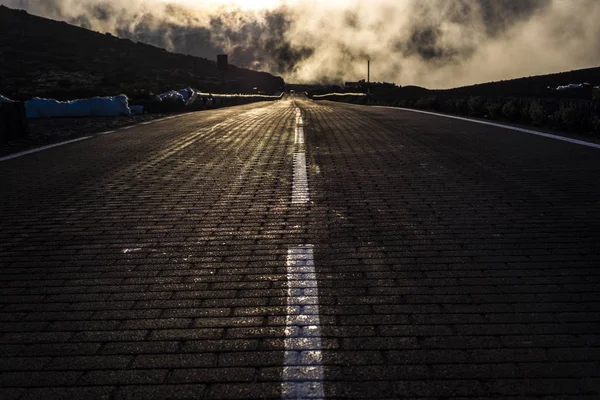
x,y
300,184
300,180
303,371
299,136
42,148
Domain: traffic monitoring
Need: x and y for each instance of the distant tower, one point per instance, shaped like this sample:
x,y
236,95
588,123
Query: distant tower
x,y
369,76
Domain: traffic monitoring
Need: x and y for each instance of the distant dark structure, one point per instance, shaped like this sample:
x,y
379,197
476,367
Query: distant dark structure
x,y
354,85
223,62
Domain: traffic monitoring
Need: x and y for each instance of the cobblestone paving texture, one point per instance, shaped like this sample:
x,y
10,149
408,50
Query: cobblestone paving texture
x,y
150,263
454,260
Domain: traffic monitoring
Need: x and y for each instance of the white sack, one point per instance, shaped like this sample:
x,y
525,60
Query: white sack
x,y
171,96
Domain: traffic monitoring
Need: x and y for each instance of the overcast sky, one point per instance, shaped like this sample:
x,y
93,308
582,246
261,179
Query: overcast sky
x,y
433,43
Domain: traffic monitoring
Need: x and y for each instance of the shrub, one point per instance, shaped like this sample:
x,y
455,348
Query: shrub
x,y
523,110
570,116
537,114
429,103
449,106
461,106
596,124
511,111
476,106
596,93
401,103
494,110
410,103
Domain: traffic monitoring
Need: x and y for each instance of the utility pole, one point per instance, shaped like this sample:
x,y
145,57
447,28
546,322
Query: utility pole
x,y
368,76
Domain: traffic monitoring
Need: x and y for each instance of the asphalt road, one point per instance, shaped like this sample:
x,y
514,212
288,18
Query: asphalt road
x,y
384,254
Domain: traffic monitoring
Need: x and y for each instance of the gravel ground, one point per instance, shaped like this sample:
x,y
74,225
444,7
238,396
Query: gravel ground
x,y
48,131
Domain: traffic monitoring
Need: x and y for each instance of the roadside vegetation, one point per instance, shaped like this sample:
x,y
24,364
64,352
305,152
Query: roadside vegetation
x,y
545,101
570,115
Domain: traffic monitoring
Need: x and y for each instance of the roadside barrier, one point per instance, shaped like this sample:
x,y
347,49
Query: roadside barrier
x,y
201,101
207,101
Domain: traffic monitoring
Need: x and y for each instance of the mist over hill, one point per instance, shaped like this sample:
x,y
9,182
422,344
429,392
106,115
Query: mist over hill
x,y
432,43
42,57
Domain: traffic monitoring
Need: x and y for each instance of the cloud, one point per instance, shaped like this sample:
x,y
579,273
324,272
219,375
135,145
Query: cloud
x,y
434,43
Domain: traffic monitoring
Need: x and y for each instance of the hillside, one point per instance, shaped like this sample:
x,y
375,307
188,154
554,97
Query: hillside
x,y
47,58
533,86
528,87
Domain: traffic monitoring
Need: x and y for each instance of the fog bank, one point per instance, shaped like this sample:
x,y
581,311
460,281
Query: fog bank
x,y
432,43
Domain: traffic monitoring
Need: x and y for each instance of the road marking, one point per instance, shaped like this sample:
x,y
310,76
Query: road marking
x,y
300,180
23,153
300,185
514,128
299,136
146,123
128,127
303,370
106,133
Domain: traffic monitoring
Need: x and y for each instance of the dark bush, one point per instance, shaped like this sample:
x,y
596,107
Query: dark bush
x,y
596,125
428,103
596,93
570,116
449,106
461,106
476,106
510,110
410,103
537,113
550,113
494,110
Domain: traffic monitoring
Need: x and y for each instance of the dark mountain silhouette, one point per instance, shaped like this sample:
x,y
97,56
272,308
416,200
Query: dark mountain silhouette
x,y
541,86
533,86
47,58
